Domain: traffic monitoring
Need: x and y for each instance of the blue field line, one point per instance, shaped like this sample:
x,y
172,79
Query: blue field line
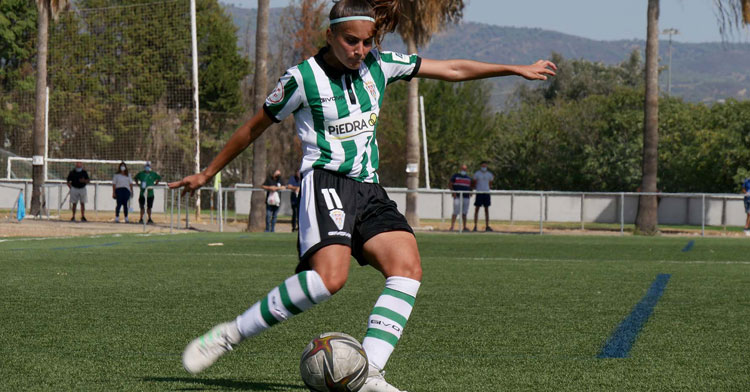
x,y
622,339
689,246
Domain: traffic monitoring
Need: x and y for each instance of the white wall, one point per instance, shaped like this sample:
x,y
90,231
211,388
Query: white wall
x,y
599,208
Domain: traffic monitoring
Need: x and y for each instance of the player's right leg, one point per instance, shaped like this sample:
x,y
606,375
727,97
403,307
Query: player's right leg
x,y
296,294
323,270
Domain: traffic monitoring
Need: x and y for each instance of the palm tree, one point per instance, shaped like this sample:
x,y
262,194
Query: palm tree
x,y
731,14
419,20
647,218
256,220
47,9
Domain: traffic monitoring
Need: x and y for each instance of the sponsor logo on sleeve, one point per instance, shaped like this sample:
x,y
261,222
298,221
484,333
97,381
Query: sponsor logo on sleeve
x,y
401,58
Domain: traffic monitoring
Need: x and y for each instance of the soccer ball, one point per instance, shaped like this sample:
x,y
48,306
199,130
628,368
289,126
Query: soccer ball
x,y
334,362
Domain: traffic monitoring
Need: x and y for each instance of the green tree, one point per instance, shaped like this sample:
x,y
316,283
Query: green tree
x,y
17,49
578,79
221,66
119,76
459,128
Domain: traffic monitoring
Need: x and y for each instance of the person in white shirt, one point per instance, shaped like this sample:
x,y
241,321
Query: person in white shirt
x,y
482,183
122,189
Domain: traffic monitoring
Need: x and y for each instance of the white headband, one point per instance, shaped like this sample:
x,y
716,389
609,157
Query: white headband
x,y
348,18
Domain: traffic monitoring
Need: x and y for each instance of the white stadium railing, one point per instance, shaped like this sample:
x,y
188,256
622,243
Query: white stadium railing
x,y
694,209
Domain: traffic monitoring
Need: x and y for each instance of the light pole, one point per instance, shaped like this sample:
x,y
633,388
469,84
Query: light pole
x,y
670,31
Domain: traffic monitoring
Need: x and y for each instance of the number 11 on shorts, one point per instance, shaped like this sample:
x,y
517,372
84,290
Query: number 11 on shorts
x,y
331,197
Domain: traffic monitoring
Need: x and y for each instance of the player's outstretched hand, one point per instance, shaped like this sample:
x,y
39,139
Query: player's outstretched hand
x,y
538,70
190,183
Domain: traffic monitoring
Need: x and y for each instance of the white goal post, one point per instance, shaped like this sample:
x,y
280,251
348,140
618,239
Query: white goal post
x,y
9,170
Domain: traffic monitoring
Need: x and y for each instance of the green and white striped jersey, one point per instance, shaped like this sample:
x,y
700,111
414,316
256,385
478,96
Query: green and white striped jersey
x,y
336,113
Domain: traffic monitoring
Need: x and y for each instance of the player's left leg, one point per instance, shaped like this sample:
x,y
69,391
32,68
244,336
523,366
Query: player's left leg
x,y
396,256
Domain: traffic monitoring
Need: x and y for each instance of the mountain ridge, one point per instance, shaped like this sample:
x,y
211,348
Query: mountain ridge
x,y
701,72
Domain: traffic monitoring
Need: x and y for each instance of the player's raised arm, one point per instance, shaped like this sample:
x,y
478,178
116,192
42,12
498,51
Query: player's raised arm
x,y
240,140
461,70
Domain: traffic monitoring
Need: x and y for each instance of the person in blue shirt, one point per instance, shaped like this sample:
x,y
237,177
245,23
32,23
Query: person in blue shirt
x,y
746,192
460,181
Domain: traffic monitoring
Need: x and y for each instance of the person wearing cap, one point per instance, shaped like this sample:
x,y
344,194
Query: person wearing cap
x,y
147,179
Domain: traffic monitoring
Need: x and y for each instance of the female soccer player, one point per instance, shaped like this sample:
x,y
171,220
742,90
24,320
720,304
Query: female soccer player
x,y
335,97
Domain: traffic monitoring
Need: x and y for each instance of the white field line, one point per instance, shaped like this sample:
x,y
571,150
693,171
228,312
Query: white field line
x,y
519,259
511,259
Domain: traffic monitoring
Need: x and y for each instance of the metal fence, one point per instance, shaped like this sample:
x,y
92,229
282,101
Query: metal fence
x,y
695,209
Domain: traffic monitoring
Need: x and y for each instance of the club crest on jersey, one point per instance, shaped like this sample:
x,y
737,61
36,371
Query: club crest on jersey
x,y
372,89
277,95
338,217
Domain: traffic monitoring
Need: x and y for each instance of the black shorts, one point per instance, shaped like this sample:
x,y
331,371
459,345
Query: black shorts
x,y
142,201
335,209
482,199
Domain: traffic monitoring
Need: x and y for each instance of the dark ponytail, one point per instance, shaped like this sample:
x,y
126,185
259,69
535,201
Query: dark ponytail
x,y
385,13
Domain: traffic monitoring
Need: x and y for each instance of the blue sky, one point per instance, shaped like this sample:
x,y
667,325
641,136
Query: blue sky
x,y
595,19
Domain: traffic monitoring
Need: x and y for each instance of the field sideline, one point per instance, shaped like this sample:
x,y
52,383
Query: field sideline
x,y
495,313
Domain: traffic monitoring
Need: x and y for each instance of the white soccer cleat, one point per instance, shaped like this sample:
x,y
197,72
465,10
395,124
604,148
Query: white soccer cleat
x,y
376,382
205,350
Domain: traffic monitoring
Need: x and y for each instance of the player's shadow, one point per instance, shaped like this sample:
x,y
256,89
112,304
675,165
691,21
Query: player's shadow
x,y
200,384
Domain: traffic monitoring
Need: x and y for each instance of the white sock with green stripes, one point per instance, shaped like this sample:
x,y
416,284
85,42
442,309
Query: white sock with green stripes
x,y
388,319
297,294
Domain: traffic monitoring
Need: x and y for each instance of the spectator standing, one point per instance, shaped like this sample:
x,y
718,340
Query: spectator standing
x,y
293,185
272,186
147,179
746,192
460,181
122,189
77,180
482,183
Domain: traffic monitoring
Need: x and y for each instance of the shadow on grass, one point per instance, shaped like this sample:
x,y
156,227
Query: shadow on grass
x,y
201,384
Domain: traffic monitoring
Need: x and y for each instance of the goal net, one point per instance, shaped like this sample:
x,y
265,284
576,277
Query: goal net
x,y
120,88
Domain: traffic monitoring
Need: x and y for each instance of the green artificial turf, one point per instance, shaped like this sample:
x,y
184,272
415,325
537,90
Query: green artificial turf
x,y
494,313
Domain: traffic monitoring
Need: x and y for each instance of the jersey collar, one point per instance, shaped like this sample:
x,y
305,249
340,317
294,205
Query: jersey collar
x,y
330,71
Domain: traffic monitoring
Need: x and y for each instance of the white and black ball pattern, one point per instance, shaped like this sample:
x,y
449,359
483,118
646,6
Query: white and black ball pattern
x,y
334,362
